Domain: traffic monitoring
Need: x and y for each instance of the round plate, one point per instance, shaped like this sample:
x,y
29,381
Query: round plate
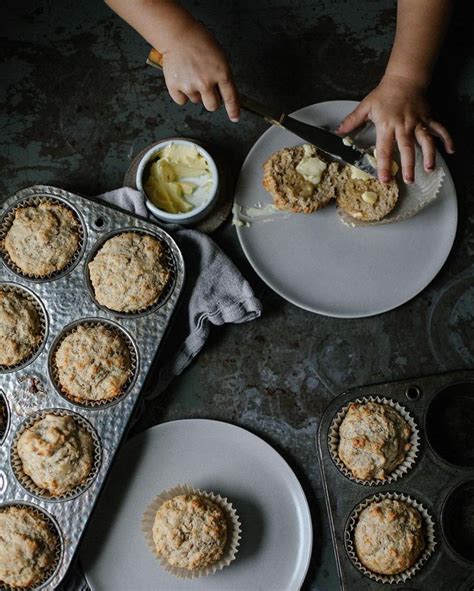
x,y
318,264
276,539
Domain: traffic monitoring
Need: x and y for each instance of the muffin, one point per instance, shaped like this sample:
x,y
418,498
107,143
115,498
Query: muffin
x,y
27,547
363,196
190,532
389,537
129,272
42,238
93,363
20,327
373,440
299,179
57,453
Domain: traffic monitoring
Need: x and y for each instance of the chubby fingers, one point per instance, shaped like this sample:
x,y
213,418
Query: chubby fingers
x,y
230,97
440,131
384,149
355,119
427,145
406,146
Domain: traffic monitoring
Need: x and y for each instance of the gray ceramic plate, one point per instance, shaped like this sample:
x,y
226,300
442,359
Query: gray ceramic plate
x,y
317,263
276,524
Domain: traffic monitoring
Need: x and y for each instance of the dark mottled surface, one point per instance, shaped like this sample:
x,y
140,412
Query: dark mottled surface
x,y
77,102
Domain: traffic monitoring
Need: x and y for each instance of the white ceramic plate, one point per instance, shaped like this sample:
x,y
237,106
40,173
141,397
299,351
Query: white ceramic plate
x,y
318,264
276,540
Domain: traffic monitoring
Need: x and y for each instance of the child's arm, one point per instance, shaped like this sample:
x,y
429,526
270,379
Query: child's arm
x,y
397,106
194,64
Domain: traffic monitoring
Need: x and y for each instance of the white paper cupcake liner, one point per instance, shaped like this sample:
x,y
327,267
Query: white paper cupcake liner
x,y
401,469
49,573
26,481
84,402
38,306
233,531
428,530
412,198
7,221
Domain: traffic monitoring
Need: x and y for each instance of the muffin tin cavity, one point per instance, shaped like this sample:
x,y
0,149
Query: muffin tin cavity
x,y
8,218
167,289
25,480
132,373
4,417
449,424
457,520
58,550
36,303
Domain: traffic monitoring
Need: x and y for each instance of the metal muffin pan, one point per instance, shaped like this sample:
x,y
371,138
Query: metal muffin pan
x,y
442,480
28,389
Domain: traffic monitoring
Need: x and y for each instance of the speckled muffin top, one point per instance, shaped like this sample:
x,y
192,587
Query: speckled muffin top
x,y
27,547
190,532
42,239
389,537
366,200
57,453
93,363
373,440
129,272
289,189
20,327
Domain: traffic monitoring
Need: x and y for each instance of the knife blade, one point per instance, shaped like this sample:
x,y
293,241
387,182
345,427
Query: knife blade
x,y
330,143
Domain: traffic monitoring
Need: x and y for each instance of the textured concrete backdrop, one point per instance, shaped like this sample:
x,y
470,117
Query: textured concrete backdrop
x,y
77,102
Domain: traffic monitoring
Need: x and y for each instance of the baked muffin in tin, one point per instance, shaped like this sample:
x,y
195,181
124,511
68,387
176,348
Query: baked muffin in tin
x,y
389,536
28,547
190,532
56,452
373,440
21,331
129,272
93,363
43,238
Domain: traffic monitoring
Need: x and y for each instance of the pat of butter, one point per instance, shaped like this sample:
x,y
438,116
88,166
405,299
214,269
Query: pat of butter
x,y
373,162
347,141
369,197
311,167
357,173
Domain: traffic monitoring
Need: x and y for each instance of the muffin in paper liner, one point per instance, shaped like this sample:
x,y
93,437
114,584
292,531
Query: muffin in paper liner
x,y
27,483
412,198
34,300
428,531
83,402
401,469
59,549
7,221
233,530
167,288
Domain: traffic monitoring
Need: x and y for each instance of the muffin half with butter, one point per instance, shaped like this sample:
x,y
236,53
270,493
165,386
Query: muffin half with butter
x,y
299,179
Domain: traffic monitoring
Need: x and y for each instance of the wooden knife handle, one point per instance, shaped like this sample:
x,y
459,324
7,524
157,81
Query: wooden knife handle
x,y
155,58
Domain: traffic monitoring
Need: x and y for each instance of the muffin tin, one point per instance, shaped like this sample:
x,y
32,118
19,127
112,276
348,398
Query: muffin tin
x,y
441,481
28,390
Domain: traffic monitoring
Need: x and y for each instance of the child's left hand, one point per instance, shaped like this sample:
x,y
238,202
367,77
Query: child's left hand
x,y
399,111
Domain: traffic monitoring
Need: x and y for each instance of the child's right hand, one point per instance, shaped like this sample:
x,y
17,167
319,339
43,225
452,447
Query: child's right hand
x,y
198,70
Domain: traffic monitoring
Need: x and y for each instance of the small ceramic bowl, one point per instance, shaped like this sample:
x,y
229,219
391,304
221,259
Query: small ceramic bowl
x,y
203,205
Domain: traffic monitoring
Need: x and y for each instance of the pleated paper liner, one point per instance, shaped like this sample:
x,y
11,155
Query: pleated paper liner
x,y
402,468
132,372
428,532
56,533
26,481
412,198
7,221
170,263
233,531
38,306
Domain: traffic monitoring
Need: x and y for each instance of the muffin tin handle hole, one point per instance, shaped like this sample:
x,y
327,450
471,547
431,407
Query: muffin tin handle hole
x,y
99,223
413,393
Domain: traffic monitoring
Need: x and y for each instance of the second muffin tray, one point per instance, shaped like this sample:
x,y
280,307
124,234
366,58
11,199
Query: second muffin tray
x,y
440,479
30,388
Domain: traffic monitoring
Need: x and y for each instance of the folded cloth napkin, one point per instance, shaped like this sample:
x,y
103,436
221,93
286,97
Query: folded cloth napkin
x,y
214,293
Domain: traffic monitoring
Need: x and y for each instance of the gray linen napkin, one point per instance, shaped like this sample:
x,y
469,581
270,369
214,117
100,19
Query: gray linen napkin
x,y
214,293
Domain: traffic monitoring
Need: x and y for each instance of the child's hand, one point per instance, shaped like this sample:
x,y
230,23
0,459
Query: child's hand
x,y
399,112
197,69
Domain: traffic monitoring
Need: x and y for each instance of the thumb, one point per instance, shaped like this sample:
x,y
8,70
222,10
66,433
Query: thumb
x,y
355,119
